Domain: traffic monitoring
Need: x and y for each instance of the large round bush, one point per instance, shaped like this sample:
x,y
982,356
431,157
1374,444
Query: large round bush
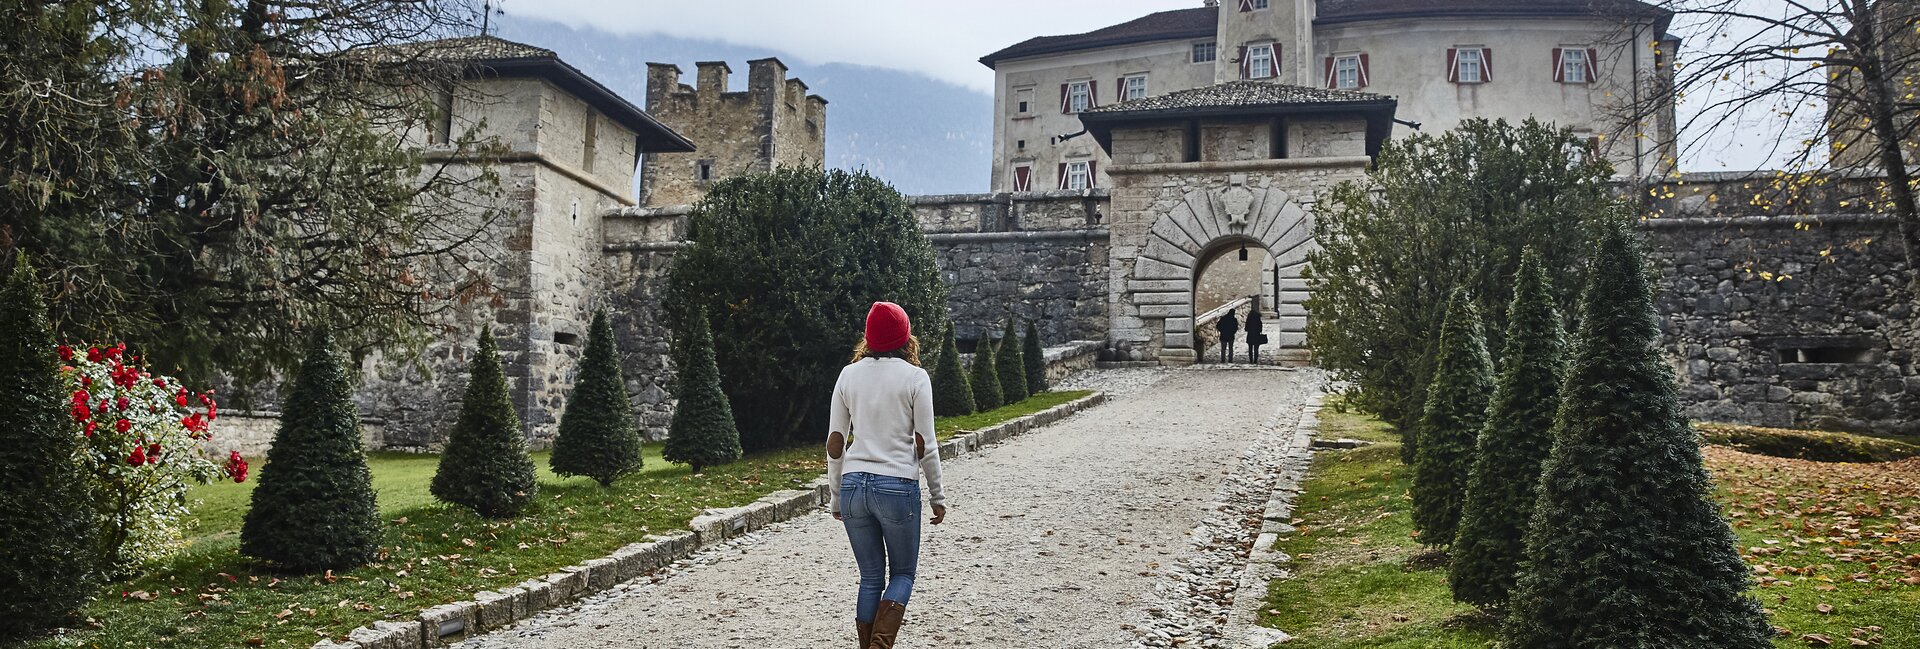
x,y
787,263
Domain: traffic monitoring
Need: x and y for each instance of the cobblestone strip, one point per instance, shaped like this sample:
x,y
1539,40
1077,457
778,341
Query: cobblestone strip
x,y
1210,596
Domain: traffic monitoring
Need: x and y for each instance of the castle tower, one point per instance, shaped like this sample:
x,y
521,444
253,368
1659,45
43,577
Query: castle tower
x,y
773,122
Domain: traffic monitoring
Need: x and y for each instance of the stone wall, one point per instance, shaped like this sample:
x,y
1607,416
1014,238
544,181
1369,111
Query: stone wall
x,y
251,432
773,122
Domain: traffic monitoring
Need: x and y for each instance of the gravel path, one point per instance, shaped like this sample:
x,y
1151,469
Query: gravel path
x,y
1063,537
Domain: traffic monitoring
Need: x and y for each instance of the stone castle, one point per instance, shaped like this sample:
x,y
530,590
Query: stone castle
x,y
1195,177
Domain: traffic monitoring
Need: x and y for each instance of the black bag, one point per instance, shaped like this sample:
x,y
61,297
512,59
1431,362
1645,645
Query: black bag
x,y
1256,339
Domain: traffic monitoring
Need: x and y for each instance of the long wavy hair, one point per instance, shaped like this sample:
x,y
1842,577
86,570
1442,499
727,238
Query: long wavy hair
x,y
909,352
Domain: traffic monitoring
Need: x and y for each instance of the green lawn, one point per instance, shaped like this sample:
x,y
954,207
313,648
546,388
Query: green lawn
x,y
210,596
946,427
1825,533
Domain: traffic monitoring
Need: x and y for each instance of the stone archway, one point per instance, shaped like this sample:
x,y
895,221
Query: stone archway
x,y
1169,263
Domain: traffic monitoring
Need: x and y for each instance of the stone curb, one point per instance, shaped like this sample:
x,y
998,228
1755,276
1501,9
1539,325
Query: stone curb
x,y
492,610
1264,564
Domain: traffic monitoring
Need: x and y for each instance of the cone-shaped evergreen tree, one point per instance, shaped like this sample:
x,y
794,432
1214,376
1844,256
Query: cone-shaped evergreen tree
x,y
598,437
1456,410
951,393
1489,546
985,379
702,433
1011,368
485,467
314,507
1036,360
1625,548
46,538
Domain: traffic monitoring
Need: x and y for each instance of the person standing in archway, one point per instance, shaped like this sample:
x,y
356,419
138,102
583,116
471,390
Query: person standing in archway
x,y
1254,338
1228,325
884,401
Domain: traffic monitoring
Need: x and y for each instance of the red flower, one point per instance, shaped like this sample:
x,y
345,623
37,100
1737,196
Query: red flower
x,y
236,467
194,423
181,398
66,353
94,355
86,381
120,403
139,455
160,383
81,396
123,425
81,413
153,454
91,426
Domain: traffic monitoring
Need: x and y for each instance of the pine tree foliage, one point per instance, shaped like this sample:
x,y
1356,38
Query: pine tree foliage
x,y
598,437
1010,366
986,378
485,467
1036,360
1456,410
314,507
702,433
1625,548
46,536
951,393
1489,546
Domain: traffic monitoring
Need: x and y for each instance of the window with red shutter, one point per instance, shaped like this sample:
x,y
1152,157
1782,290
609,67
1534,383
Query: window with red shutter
x,y
1093,91
1023,178
1065,108
1090,176
1243,61
1453,67
1559,65
1119,90
1246,5
1486,64
1365,72
1063,175
1593,64
1330,72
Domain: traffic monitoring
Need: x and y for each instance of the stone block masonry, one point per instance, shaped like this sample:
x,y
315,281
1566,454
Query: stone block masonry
x,y
774,122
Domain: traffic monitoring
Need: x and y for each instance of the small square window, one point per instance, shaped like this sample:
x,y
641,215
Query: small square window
x,y
703,170
1020,144
1203,52
1023,101
1260,61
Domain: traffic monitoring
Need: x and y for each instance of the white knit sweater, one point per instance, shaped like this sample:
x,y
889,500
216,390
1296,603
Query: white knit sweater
x,y
883,403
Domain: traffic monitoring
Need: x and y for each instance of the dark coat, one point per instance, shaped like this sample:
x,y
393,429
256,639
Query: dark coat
x,y
1253,322
1228,324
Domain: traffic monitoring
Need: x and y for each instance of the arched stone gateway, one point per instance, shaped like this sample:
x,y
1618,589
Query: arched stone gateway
x,y
1202,224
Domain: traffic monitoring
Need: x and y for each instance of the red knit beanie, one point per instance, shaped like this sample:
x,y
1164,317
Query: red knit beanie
x,y
887,327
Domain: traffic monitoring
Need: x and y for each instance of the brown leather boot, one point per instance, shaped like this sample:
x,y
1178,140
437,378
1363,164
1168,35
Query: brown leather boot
x,y
886,624
866,633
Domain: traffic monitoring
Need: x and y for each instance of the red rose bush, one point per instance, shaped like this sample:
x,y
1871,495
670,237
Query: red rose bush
x,y
144,436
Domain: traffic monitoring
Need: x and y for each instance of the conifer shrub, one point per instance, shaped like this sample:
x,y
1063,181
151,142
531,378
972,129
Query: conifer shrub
x,y
1489,546
598,437
46,531
1625,548
951,393
702,433
314,509
1456,410
485,467
1036,360
1010,367
985,378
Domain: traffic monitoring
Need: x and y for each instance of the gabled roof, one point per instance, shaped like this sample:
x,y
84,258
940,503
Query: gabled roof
x,y
1239,100
492,56
1198,22
1244,94
1202,22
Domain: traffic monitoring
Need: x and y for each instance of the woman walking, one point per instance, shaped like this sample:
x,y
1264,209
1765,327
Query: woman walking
x,y
884,402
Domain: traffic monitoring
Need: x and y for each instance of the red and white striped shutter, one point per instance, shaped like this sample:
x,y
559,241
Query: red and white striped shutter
x,y
1486,64
1363,70
1119,90
1273,70
1022,178
1559,65
1246,5
1063,175
1593,64
1330,79
1065,107
1093,91
1245,69
1453,65
1090,164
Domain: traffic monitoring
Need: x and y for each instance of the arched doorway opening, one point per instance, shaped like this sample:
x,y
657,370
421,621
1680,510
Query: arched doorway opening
x,y
1235,274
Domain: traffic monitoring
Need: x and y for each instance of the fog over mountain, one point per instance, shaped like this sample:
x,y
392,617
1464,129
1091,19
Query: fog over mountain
x,y
922,135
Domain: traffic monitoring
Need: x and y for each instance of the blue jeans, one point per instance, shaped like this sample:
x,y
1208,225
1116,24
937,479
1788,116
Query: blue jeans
x,y
882,514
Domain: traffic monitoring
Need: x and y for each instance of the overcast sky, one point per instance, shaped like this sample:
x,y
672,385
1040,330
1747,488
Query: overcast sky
x,y
941,39
945,39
